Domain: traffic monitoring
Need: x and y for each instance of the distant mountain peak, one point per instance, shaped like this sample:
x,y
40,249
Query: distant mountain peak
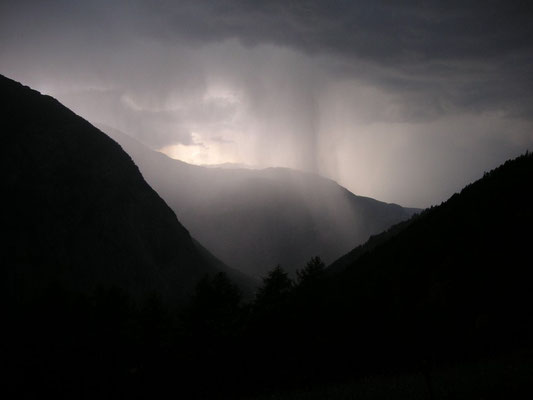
x,y
255,219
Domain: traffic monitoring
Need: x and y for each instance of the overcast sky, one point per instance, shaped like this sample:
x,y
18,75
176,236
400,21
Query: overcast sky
x,y
403,103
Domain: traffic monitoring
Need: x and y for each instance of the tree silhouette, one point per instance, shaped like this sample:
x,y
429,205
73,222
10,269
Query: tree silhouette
x,y
275,292
312,272
215,306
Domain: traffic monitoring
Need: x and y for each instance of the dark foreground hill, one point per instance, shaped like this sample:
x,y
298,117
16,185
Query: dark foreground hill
x,y
456,280
77,213
256,219
440,306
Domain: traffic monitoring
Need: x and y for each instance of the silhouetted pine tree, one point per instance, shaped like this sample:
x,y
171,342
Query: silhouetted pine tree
x,y
312,272
275,292
215,306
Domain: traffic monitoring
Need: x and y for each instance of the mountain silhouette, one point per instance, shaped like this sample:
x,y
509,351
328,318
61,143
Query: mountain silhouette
x,y
77,212
256,219
454,280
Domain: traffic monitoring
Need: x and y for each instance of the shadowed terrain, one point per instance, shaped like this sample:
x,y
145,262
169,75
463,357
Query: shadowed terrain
x,y
76,211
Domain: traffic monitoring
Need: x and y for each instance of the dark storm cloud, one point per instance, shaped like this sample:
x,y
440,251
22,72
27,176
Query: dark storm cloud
x,y
446,56
403,101
477,54
407,31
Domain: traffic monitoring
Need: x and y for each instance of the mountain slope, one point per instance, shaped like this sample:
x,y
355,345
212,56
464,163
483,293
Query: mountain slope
x,y
77,212
256,219
455,280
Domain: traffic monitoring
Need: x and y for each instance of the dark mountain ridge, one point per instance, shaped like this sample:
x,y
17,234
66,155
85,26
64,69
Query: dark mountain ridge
x,y
454,280
77,212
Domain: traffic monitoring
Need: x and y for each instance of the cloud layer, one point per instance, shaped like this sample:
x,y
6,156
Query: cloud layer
x,y
403,103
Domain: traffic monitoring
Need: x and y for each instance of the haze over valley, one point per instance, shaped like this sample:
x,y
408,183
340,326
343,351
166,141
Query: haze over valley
x,y
256,219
